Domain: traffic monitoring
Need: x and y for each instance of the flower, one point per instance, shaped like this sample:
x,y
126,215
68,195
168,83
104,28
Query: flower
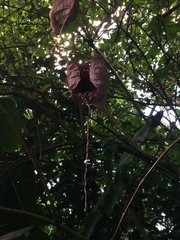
x,y
88,82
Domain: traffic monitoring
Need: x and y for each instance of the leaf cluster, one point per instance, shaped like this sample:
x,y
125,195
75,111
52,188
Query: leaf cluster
x,y
44,139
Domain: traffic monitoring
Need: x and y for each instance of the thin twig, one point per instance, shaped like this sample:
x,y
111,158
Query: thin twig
x,y
42,219
141,182
119,193
128,94
35,163
171,10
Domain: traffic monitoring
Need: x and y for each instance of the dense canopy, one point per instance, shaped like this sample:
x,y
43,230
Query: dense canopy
x,y
73,170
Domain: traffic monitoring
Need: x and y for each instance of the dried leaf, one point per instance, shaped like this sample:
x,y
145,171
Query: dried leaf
x,y
62,13
88,82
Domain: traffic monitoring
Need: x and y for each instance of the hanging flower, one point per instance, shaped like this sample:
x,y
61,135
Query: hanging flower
x,y
62,13
88,82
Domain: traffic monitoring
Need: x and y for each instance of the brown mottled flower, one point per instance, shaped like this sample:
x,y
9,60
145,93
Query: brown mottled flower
x,y
62,13
88,82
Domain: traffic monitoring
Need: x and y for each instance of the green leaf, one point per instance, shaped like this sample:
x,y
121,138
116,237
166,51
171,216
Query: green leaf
x,y
139,1
9,112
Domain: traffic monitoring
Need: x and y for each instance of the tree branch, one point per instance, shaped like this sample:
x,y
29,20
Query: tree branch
x,y
42,219
171,10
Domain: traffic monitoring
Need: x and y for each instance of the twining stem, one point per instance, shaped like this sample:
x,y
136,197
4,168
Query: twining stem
x,y
42,219
86,158
141,182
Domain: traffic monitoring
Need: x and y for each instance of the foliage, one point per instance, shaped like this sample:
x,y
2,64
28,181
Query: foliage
x,y
47,139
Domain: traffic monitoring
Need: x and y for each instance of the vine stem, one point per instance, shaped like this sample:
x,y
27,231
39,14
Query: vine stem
x,y
87,158
39,218
141,182
34,161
